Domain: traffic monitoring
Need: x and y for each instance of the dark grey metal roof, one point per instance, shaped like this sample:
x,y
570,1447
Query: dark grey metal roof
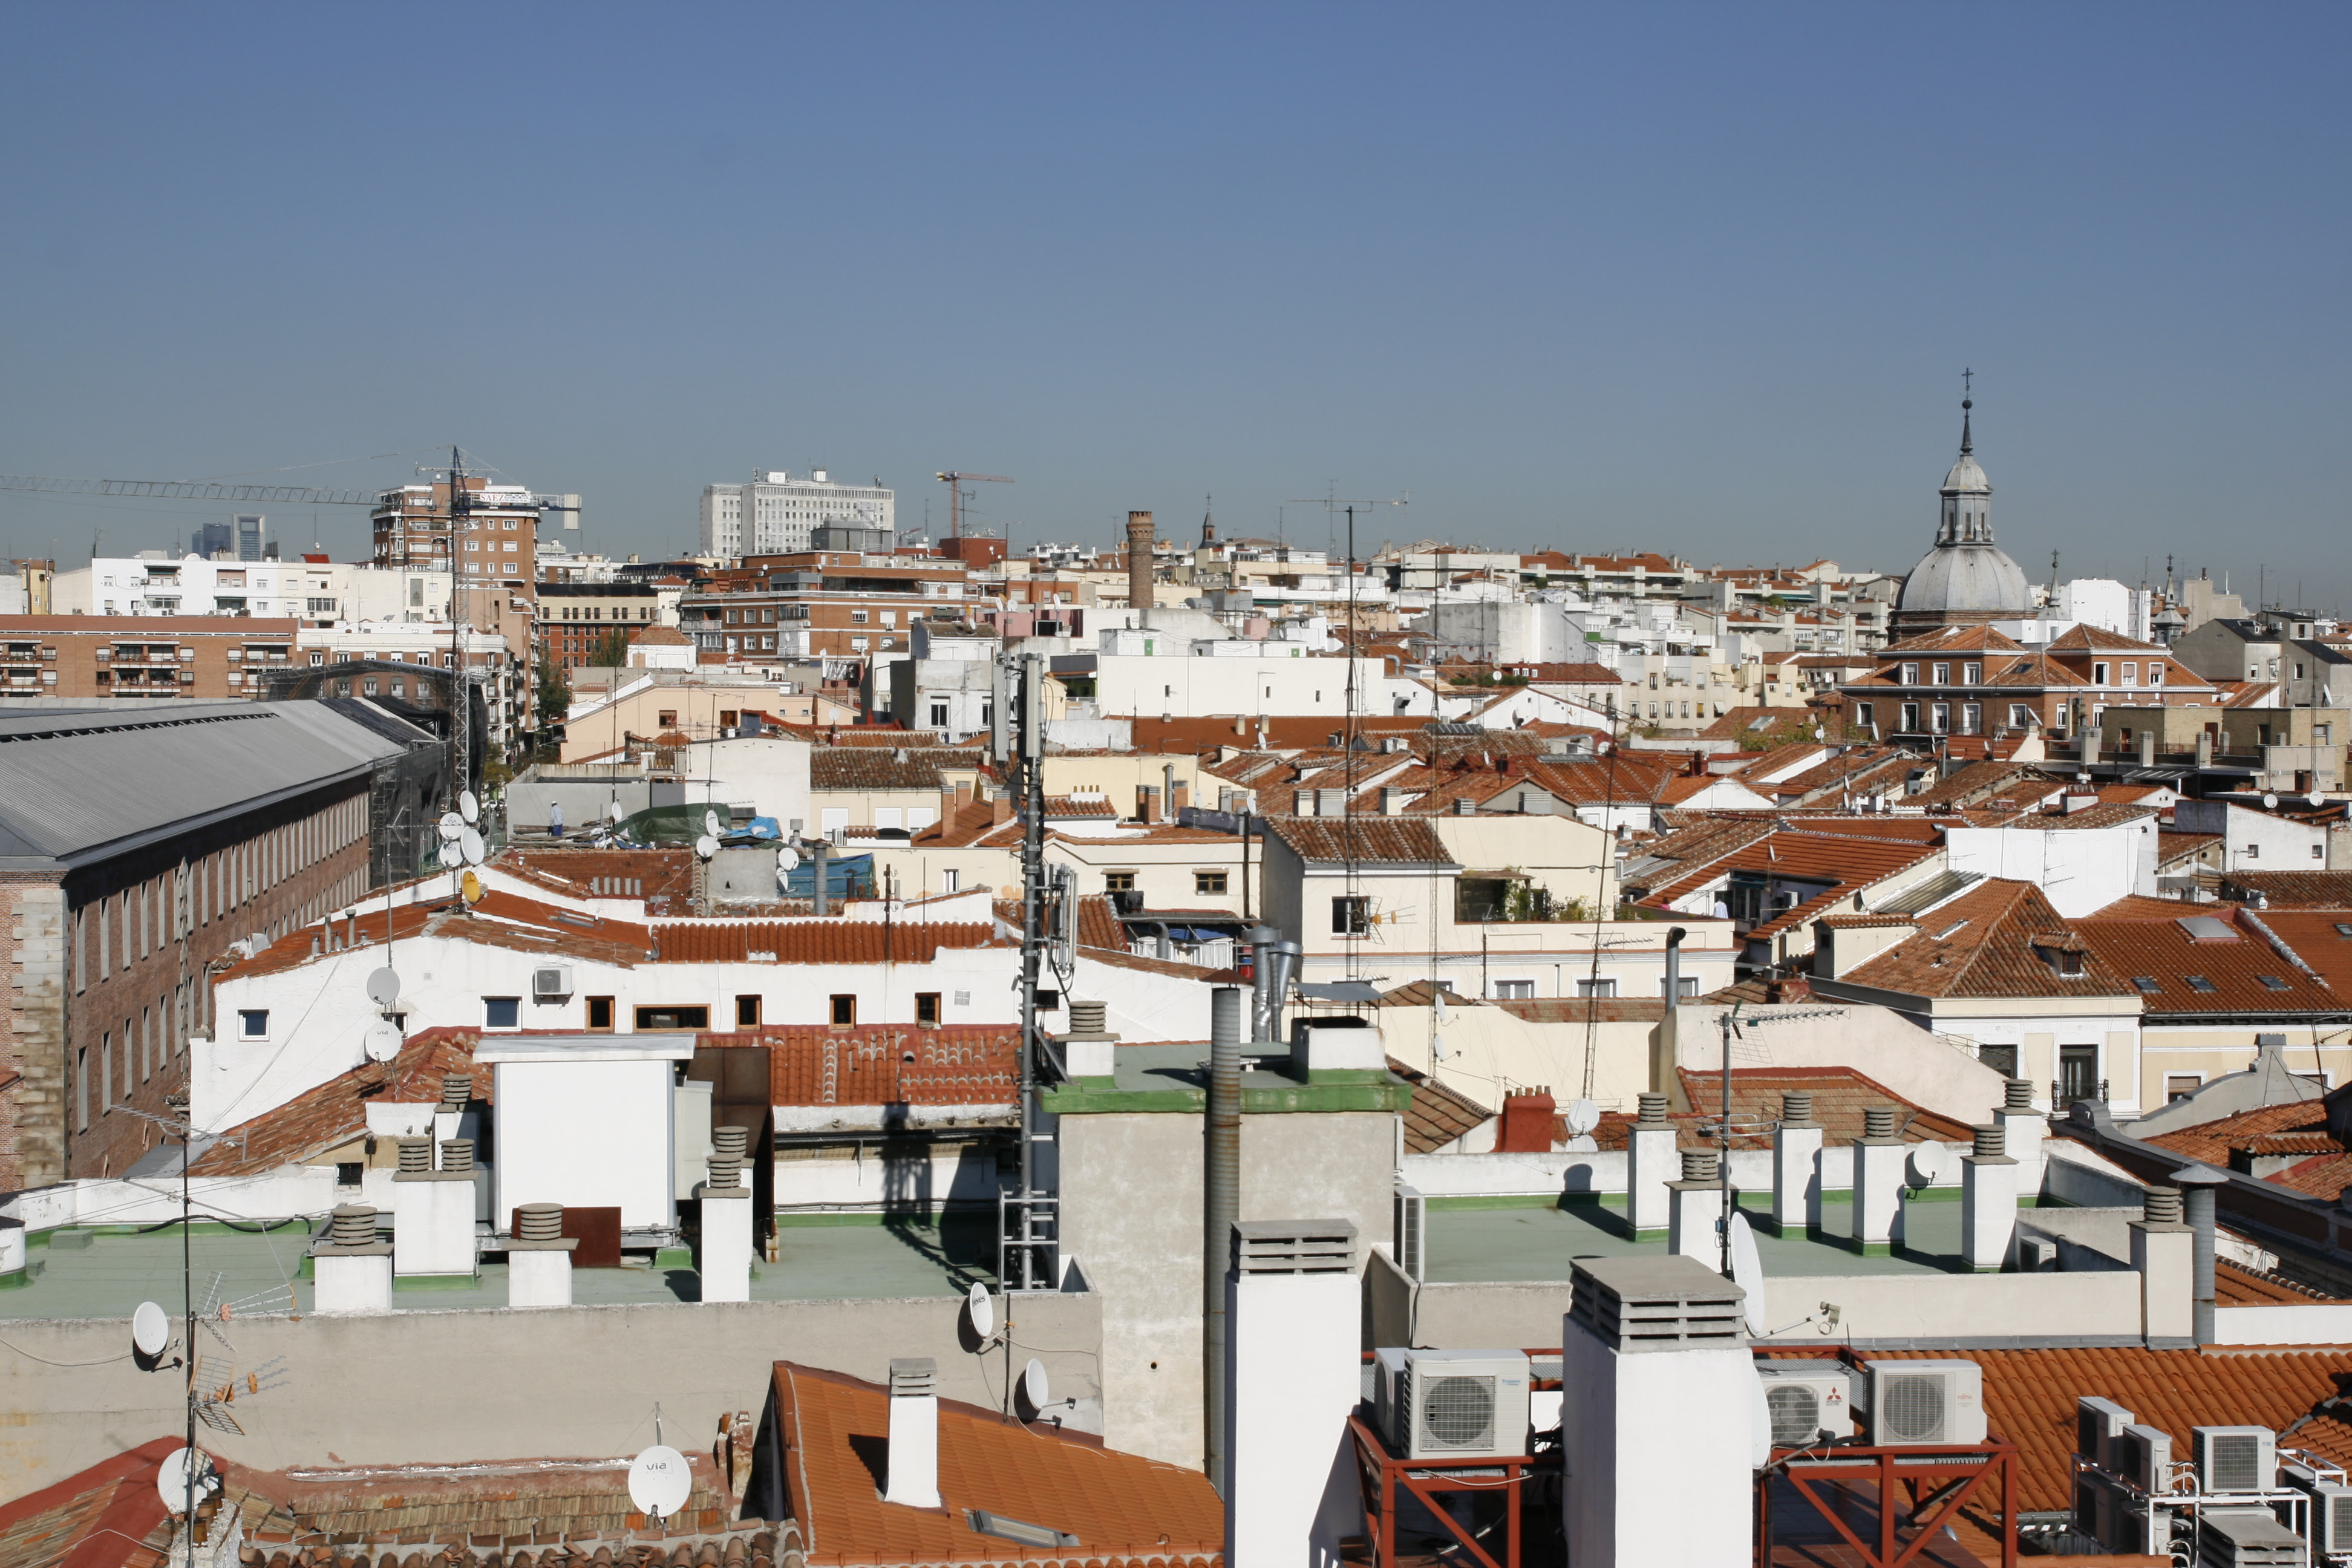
x,y
76,786
1921,896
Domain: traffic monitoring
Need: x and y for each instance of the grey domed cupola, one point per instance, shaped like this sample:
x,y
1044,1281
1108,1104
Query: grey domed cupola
x,y
1965,579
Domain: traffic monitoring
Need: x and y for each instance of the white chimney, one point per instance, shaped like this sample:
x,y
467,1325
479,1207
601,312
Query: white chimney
x,y
1649,1342
433,1211
1695,1208
1651,1163
1293,1308
1797,1167
913,1463
1878,1157
352,1269
1989,1203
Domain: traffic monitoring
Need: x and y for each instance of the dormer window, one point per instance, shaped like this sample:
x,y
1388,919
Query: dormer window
x,y
2099,672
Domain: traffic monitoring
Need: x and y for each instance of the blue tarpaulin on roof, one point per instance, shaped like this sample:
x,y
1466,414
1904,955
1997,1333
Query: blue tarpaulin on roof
x,y
846,877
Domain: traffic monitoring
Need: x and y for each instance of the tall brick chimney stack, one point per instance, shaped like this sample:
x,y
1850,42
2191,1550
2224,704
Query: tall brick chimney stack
x,y
1138,564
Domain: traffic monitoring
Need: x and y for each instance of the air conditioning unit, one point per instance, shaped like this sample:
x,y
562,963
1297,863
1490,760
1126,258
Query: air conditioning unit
x,y
2097,1424
2247,1537
1458,1404
2234,1459
2331,1510
1926,1402
554,980
1388,1368
1411,1226
2102,1512
1807,1398
2144,1457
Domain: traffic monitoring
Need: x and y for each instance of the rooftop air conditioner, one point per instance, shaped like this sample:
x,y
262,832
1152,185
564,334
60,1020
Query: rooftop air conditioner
x,y
2234,1459
2331,1510
554,980
1457,1403
1926,1402
2098,1423
1388,1367
2244,1537
1807,1398
2144,1457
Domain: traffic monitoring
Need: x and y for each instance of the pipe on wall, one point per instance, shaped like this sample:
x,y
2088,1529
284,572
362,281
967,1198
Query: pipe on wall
x,y
1222,1189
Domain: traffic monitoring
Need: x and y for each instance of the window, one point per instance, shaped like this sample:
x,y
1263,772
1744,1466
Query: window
x,y
2199,984
1910,675
1686,988
1119,882
1352,916
1943,674
2099,672
2078,1073
347,1173
1940,716
857,618
2318,852
2272,983
1910,718
2002,1059
600,1014
2155,673
1865,716
857,644
951,880
927,1008
81,1087
2180,1085
844,1011
2021,715
938,715
2253,852
1208,881
1972,674
2146,984
1515,990
253,1024
502,1012
747,1012
673,1018
1971,718
2131,673
1596,987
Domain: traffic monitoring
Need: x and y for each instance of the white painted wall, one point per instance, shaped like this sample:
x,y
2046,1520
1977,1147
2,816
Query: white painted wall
x,y
2080,871
586,1124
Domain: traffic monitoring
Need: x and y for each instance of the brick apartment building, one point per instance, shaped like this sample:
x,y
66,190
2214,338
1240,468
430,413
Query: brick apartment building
x,y
136,844
576,618
493,553
205,658
821,603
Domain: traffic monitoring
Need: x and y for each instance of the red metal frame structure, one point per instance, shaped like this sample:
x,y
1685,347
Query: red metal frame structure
x,y
1958,1471
1382,1473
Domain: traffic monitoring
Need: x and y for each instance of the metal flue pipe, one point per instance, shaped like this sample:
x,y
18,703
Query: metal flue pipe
x,y
2196,1183
1222,1189
1261,940
1281,966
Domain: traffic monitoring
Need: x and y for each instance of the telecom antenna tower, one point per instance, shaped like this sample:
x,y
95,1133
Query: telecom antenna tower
x,y
1028,1233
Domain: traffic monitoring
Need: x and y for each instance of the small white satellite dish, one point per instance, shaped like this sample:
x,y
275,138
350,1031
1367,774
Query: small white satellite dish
x,y
788,858
151,1331
381,1040
981,1309
710,823
468,807
1759,1423
1926,1163
172,1478
2269,801
471,846
451,825
616,812
1748,1273
1034,1387
705,847
1436,1045
1437,1004
2316,799
383,987
660,1481
1581,1116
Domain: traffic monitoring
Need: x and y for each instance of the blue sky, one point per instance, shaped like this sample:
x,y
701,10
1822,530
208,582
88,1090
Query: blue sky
x,y
1700,279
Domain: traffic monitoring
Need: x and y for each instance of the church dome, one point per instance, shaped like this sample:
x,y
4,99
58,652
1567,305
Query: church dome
x,y
1972,578
1967,477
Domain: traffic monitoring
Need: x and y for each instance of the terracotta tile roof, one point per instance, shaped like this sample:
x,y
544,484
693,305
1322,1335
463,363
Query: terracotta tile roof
x,y
1984,943
886,1064
2296,890
2084,637
833,767
1395,840
2213,1140
500,919
1956,639
1126,1511
660,875
2104,815
108,1516
1577,1009
335,1111
1437,1114
1840,1097
2138,906
814,941
2235,1285
2321,938
1986,780
2238,976
1119,958
972,824
1846,859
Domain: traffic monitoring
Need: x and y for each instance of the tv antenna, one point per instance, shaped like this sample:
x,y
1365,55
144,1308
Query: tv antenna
x,y
1732,1026
954,479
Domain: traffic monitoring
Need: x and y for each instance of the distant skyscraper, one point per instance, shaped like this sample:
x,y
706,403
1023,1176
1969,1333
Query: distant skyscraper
x,y
215,539
248,535
776,514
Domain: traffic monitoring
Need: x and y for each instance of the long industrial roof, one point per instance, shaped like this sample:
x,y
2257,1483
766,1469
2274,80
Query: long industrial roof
x,y
76,786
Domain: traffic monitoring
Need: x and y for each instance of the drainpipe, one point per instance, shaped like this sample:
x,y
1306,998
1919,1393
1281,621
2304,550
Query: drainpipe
x,y
2196,1183
1223,1189
1675,935
824,848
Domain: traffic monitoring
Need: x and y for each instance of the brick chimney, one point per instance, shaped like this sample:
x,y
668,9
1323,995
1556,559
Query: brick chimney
x,y
1138,564
999,809
1527,1126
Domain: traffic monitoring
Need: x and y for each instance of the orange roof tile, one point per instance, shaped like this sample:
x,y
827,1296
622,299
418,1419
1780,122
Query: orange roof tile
x,y
108,1516
814,941
886,1064
336,1111
1126,1511
1987,943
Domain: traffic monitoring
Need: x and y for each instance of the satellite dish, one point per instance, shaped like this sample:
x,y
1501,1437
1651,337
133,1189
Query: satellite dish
x,y
468,807
151,1331
469,887
1033,1390
1748,1272
981,1309
710,823
659,1482
383,987
381,1040
705,847
1926,1163
1581,1116
172,1478
2269,801
451,825
470,846
2316,799
1759,1423
788,858
1436,1045
616,811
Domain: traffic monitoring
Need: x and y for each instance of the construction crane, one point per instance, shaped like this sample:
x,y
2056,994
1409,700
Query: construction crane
x,y
194,490
954,482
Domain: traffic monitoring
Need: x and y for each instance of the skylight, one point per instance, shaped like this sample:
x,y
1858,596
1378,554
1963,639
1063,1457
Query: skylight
x,y
2198,983
2147,983
1946,934
2271,982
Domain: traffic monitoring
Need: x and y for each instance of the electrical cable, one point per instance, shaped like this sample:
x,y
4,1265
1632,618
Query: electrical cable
x,y
103,1361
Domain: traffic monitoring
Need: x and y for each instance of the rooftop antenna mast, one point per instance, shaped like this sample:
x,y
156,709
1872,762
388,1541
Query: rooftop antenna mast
x,y
954,479
462,714
1027,1232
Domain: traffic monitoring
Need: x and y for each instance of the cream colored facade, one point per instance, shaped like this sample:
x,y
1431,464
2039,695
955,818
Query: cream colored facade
x,y
2177,1058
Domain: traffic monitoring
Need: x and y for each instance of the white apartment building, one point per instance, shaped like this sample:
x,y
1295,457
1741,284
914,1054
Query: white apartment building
x,y
319,591
775,514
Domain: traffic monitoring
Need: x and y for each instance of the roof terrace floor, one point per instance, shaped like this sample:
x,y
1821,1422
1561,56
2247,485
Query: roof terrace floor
x,y
107,1274
1467,1245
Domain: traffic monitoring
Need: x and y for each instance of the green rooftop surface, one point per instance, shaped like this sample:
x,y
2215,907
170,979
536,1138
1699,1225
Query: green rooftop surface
x,y
1173,1078
865,1261
1475,1245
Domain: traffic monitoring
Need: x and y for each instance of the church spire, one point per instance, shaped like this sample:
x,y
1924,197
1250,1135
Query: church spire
x,y
1967,379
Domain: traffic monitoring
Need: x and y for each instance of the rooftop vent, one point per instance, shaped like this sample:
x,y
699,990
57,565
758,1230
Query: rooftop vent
x,y
416,1154
539,1222
354,1224
1657,1304
1878,1121
1294,1246
1798,1108
457,1154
